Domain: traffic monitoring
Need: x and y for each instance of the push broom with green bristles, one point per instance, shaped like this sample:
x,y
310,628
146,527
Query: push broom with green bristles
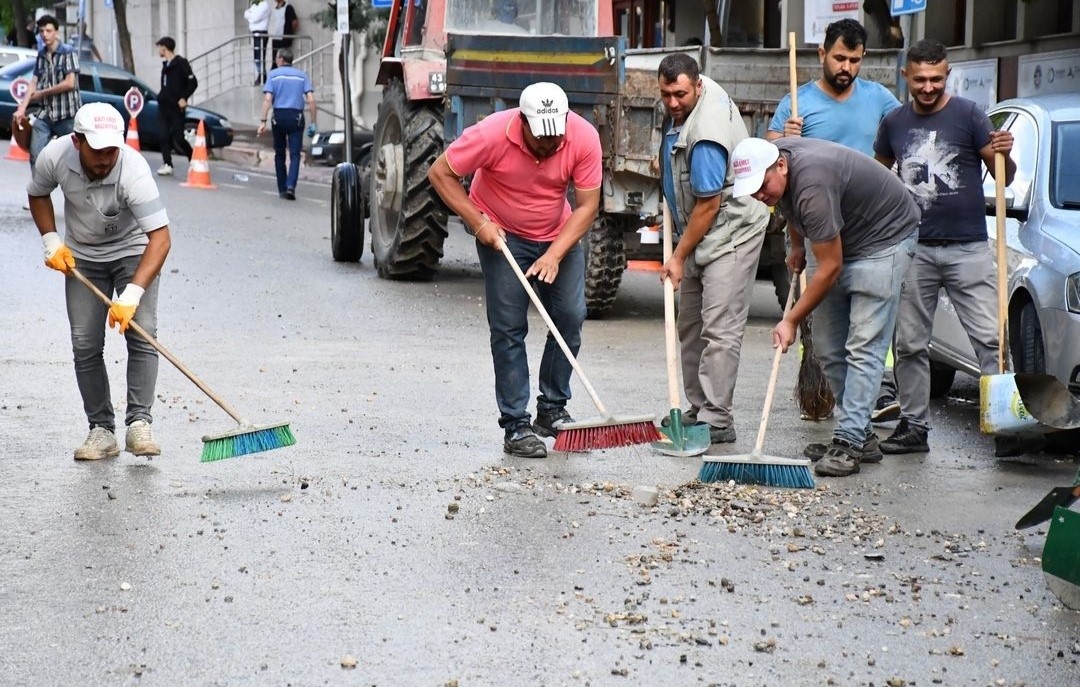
x,y
246,438
755,468
606,432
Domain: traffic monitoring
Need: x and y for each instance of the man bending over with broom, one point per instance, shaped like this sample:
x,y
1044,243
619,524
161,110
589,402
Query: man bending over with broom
x,y
118,230
714,264
862,225
523,161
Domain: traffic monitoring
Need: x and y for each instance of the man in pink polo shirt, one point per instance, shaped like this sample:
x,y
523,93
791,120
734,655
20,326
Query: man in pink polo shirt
x,y
523,162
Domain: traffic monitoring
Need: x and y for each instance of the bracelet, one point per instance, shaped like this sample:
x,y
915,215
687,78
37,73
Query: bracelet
x,y
262,121
480,228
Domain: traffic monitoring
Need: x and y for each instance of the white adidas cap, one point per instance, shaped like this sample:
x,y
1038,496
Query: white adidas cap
x,y
545,105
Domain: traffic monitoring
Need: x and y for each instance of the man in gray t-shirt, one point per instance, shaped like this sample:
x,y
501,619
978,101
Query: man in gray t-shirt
x,y
941,143
862,225
118,231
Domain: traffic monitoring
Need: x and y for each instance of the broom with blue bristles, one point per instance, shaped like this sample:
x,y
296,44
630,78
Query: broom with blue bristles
x,y
246,438
756,468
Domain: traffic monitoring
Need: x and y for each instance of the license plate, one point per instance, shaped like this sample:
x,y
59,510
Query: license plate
x,y
316,150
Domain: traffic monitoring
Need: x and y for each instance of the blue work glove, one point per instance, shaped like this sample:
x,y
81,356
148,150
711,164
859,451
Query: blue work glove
x,y
311,130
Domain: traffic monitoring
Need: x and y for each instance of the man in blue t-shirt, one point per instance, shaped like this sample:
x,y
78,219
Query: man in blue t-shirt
x,y
844,109
941,143
287,89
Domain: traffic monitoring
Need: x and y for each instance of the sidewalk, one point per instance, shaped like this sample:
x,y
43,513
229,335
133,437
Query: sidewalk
x,y
257,152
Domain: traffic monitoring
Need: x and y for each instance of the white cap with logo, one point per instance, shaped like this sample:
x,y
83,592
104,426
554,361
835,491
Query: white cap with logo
x,y
545,105
102,125
751,158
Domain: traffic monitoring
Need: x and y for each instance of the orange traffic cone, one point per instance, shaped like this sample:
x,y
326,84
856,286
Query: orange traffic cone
x,y
133,133
199,169
16,153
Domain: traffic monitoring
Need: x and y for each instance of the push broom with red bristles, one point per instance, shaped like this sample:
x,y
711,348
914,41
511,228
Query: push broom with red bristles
x,y
606,432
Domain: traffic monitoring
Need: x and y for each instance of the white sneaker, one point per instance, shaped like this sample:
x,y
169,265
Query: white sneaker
x,y
140,439
100,443
165,171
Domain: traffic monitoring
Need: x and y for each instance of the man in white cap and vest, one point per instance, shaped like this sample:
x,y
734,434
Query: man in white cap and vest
x,y
117,235
862,225
523,161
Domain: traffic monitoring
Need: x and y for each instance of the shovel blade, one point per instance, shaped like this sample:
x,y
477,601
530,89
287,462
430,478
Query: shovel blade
x,y
1061,557
1049,401
693,442
1044,510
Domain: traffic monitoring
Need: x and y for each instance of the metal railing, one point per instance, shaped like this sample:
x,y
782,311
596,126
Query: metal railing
x,y
320,65
232,64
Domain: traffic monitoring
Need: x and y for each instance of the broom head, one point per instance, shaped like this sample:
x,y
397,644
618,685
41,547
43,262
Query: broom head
x,y
610,432
769,471
245,439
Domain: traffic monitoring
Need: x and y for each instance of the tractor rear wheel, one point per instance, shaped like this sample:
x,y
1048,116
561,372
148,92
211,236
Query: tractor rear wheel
x,y
408,219
605,262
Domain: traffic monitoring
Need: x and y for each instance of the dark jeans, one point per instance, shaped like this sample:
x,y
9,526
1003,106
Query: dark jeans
x,y
288,128
508,321
172,133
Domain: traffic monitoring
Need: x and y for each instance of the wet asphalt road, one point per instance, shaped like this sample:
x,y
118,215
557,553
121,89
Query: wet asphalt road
x,y
397,537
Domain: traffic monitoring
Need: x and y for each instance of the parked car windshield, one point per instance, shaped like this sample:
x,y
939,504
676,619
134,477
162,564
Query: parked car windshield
x,y
1065,165
523,17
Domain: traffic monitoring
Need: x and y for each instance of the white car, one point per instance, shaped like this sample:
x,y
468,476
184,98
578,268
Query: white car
x,y
11,53
1043,236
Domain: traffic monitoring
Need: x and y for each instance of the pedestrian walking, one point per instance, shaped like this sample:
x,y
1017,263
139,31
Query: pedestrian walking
x,y
714,264
54,86
258,19
842,108
117,235
84,44
287,89
523,161
178,83
862,224
941,142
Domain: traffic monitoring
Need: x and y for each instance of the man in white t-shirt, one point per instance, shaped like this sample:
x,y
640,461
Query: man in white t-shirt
x,y
118,231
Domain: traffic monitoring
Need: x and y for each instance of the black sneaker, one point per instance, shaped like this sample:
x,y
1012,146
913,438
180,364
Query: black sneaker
x,y
886,409
721,435
547,423
689,417
871,451
290,194
522,441
841,459
906,439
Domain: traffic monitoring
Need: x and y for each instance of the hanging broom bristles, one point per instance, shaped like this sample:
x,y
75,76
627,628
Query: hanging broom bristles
x,y
577,437
813,394
246,439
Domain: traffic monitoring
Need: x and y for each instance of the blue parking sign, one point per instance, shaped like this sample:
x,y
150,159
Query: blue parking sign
x,y
898,7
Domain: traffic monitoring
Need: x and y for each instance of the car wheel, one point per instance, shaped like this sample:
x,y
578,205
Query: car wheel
x,y
1032,353
941,379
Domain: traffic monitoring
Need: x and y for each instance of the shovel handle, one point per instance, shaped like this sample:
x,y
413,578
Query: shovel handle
x,y
161,349
793,76
670,337
1002,258
551,327
771,391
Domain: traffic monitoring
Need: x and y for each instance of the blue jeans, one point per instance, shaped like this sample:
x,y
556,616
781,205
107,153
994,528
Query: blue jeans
x,y
508,320
87,316
853,328
288,128
44,131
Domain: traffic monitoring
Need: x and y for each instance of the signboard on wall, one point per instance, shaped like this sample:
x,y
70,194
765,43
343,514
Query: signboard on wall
x,y
975,80
817,14
1048,72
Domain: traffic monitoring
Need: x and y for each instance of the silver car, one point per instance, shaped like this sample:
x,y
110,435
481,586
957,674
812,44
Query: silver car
x,y
1043,234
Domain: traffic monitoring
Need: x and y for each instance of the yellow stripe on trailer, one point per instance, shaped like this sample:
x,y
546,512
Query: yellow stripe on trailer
x,y
549,59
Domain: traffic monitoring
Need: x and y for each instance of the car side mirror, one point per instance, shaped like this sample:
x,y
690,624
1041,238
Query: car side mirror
x,y
1013,208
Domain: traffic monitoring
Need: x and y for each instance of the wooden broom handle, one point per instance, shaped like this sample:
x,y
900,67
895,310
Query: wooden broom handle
x,y
1002,258
793,77
771,391
162,350
670,337
551,328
